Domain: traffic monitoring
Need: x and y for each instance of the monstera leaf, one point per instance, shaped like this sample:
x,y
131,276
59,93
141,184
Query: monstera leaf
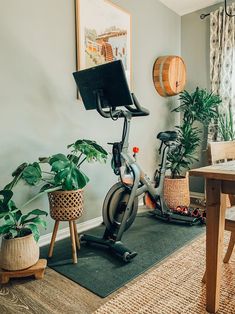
x,y
17,174
32,174
90,149
67,173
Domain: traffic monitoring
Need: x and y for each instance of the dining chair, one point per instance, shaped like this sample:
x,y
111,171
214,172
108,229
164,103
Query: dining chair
x,y
221,152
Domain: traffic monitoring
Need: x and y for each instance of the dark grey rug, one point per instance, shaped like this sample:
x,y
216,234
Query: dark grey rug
x,y
103,273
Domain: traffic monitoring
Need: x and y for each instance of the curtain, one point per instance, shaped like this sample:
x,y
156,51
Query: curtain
x,y
222,61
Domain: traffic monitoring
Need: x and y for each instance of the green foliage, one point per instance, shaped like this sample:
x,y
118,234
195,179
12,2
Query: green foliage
x,y
199,106
90,149
225,126
15,224
183,155
65,173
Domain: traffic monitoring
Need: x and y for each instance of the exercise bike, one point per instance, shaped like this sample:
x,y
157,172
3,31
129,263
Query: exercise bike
x,y
104,88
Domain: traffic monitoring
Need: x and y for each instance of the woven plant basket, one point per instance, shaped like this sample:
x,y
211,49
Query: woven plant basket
x,y
176,192
19,253
66,205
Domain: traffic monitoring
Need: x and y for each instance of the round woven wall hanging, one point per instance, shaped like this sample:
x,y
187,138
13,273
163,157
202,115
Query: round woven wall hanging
x,y
169,75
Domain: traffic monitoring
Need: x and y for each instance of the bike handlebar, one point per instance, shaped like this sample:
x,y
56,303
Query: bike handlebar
x,y
138,111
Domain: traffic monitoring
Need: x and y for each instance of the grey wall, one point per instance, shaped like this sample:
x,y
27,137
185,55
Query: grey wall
x,y
40,114
195,51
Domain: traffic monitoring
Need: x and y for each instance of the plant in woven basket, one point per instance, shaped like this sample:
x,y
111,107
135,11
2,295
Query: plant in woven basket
x,y
60,171
61,177
15,224
200,106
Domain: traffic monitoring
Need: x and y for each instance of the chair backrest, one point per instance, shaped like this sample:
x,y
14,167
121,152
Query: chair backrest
x,y
221,152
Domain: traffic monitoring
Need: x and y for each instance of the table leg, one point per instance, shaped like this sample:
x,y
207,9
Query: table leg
x,y
214,242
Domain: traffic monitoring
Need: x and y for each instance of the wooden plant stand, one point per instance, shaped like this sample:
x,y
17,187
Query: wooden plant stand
x,y
75,242
66,206
36,270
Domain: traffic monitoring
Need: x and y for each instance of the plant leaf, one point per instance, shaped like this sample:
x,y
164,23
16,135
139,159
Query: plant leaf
x,y
36,221
59,165
5,229
58,157
35,212
32,174
35,231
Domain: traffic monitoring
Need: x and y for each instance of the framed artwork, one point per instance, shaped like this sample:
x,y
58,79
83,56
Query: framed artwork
x,y
103,33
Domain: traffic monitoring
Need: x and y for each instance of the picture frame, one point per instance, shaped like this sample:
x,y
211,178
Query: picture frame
x,y
103,34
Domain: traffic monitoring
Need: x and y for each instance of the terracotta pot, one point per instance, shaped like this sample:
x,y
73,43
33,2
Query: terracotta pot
x,y
176,192
19,253
66,205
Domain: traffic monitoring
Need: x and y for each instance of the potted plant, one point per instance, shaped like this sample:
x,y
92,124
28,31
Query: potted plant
x,y
19,248
198,108
225,126
61,177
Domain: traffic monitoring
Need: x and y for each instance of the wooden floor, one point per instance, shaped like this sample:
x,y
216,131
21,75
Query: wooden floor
x,y
54,294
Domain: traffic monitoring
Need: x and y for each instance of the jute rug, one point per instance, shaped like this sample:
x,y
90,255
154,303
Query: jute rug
x,y
174,286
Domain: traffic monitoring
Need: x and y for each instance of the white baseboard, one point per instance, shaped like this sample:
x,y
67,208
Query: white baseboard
x,y
64,233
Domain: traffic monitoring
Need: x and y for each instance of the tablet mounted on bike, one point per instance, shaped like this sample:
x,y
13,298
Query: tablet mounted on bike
x,y
110,79
105,86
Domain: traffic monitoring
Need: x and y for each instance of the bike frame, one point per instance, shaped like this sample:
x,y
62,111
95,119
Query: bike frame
x,y
139,176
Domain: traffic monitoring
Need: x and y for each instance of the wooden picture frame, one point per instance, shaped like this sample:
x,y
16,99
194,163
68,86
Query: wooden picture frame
x,y
103,34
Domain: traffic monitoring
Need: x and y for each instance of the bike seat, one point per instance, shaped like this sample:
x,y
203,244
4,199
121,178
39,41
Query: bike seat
x,y
167,136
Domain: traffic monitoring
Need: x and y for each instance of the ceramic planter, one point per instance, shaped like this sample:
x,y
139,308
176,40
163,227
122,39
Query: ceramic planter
x,y
19,253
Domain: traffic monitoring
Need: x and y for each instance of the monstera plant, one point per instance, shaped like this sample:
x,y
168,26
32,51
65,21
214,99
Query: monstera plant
x,y
60,171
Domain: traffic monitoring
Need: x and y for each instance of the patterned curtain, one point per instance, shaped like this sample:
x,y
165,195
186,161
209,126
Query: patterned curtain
x,y
222,61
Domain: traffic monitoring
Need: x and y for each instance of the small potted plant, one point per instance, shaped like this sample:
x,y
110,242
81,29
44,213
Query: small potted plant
x,y
19,248
62,178
201,107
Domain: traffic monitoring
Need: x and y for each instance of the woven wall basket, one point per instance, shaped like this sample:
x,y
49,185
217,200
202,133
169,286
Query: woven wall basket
x,y
66,205
19,253
176,192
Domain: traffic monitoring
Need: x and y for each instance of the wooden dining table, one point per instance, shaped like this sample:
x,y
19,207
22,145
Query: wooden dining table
x,y
220,180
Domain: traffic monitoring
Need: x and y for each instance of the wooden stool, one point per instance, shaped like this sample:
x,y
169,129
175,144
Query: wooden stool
x,y
37,270
74,239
